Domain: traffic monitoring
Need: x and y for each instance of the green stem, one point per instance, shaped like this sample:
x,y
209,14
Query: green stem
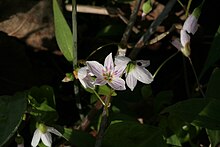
x,y
101,47
197,80
164,63
103,103
188,6
181,4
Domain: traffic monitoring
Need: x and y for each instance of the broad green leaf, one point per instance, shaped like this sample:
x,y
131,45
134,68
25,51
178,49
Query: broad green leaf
x,y
63,33
174,140
133,134
105,90
214,137
213,89
200,112
12,109
214,53
187,110
79,138
209,117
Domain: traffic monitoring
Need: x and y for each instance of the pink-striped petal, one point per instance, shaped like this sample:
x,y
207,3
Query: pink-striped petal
x,y
117,83
95,67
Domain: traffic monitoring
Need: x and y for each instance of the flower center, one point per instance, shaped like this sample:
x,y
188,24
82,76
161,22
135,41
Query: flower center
x,y
108,76
42,128
131,65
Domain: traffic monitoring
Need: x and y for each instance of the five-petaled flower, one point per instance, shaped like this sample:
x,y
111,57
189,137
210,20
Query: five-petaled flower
x,y
135,70
43,132
108,73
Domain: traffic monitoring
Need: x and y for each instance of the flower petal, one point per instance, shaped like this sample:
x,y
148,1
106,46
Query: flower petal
x,y
131,81
100,81
184,38
117,83
121,60
109,64
119,70
82,72
144,63
54,131
176,43
36,138
142,75
46,139
191,24
95,67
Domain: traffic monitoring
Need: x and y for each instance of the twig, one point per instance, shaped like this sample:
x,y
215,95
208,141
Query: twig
x,y
101,11
144,39
123,44
92,113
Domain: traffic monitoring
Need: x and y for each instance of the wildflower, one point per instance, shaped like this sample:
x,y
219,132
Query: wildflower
x,y
191,24
85,77
43,133
135,71
108,73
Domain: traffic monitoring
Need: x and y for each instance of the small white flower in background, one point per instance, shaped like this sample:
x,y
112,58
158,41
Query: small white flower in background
x,y
43,133
135,71
85,77
191,24
108,73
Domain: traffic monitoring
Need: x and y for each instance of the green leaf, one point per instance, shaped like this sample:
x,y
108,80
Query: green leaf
x,y
132,134
213,89
105,90
40,94
63,33
200,112
214,53
79,138
12,109
187,110
147,7
174,140
209,117
214,137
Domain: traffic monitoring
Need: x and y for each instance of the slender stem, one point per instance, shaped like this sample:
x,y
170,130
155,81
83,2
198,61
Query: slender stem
x,y
188,6
158,69
181,4
101,47
76,83
103,103
197,80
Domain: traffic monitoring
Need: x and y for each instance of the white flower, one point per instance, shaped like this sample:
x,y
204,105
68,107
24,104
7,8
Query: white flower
x,y
191,24
108,73
135,70
184,44
43,133
184,38
85,78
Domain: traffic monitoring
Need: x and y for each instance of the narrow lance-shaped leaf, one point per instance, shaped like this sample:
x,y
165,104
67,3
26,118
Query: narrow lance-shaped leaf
x,y
62,32
214,53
